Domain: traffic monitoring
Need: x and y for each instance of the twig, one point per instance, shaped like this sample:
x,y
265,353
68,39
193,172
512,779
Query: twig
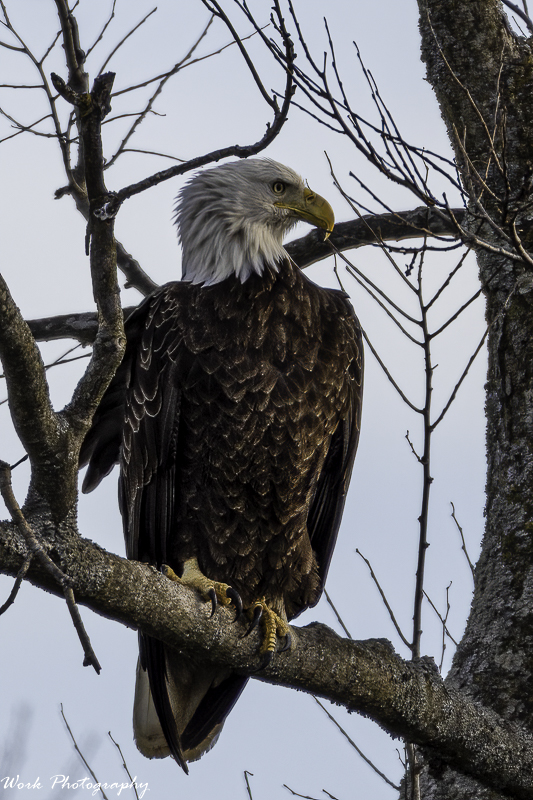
x,y
385,601
16,586
148,108
522,14
463,546
304,796
388,374
151,153
443,620
97,782
133,782
341,623
461,379
124,39
102,32
409,442
251,774
62,360
457,314
360,752
37,551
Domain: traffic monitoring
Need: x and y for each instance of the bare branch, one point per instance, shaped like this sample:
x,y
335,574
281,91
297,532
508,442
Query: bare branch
x,y
37,551
385,601
133,782
357,749
339,618
77,749
21,574
142,116
241,151
407,698
125,39
463,543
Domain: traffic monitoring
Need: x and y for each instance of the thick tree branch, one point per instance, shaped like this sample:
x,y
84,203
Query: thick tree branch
x,y
110,340
37,551
407,698
373,228
36,423
481,75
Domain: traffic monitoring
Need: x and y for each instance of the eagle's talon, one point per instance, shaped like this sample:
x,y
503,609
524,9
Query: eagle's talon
x,y
275,629
212,595
265,661
235,598
168,572
213,591
258,613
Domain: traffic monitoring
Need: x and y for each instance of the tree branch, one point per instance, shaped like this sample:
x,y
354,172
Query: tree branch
x,y
110,340
409,699
36,422
305,251
241,151
373,228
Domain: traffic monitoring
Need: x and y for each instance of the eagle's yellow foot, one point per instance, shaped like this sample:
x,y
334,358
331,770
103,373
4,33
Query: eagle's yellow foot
x,y
215,591
274,628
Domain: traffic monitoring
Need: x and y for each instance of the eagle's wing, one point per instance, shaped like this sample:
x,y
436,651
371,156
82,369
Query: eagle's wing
x,y
101,447
147,488
179,706
326,509
150,431
143,398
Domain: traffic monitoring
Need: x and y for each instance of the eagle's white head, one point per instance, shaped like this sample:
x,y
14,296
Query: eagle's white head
x,y
232,219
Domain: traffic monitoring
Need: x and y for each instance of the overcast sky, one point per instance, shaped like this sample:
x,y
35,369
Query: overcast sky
x,y
280,736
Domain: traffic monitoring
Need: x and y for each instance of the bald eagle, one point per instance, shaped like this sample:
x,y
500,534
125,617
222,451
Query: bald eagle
x,y
235,418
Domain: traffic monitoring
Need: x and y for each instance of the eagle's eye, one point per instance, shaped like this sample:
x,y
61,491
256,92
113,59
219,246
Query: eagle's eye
x,y
278,187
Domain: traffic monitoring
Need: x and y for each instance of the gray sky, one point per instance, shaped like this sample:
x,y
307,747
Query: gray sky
x,y
280,736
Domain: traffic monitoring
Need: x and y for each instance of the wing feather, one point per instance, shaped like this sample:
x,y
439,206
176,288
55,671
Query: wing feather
x,y
326,509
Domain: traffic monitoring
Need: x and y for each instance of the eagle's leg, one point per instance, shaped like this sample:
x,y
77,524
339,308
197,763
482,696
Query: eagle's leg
x,y
274,627
215,591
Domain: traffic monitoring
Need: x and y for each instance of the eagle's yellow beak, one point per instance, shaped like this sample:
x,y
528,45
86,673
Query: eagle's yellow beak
x,y
312,208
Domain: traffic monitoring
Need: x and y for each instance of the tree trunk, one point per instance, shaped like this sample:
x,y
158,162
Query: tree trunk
x,y
483,78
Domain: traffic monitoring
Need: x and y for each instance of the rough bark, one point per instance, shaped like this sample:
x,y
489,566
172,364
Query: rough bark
x,y
483,79
408,699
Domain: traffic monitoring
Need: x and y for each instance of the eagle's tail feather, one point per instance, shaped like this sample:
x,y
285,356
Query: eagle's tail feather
x,y
180,706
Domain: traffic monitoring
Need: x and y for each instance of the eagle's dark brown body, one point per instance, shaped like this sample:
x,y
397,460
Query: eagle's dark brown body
x,y
232,396
238,389
235,417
